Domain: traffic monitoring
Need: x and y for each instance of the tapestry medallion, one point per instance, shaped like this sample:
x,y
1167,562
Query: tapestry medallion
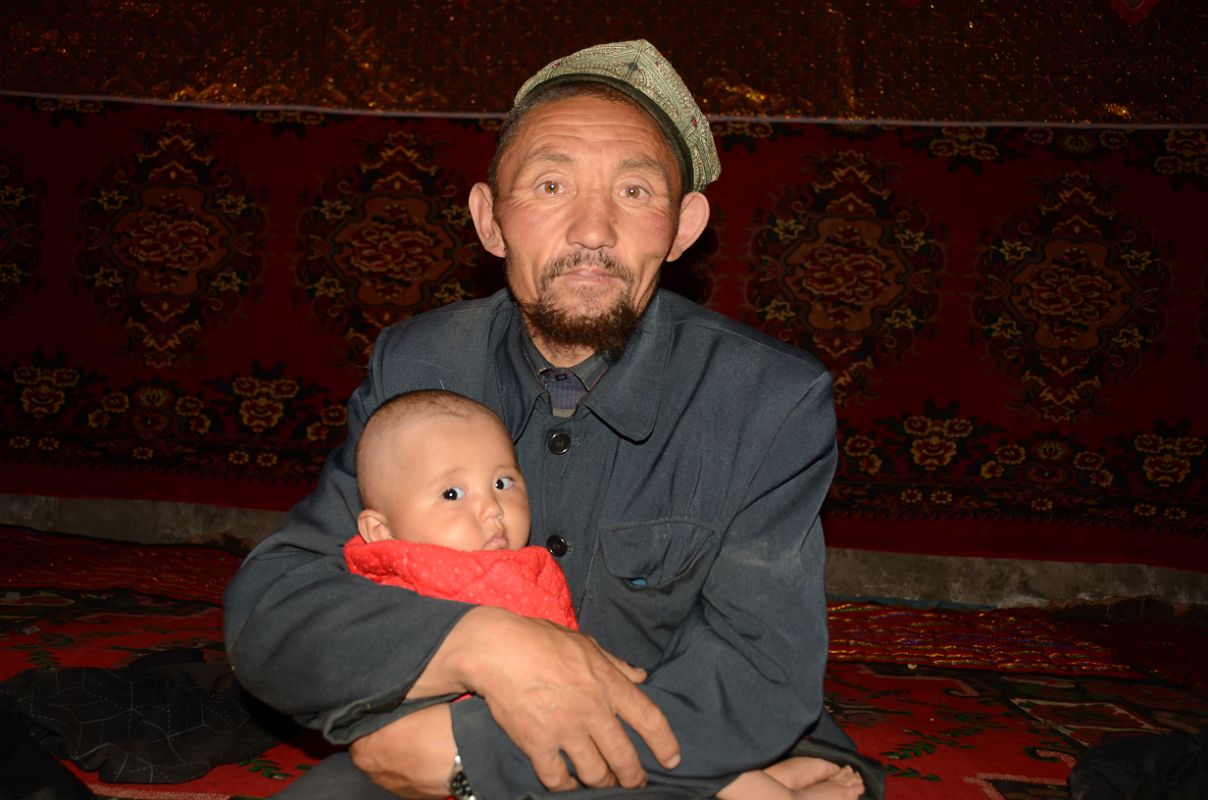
x,y
385,239
848,269
171,241
1071,299
21,232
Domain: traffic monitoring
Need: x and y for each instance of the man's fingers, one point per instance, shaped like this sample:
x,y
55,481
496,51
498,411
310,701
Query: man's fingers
x,y
552,772
637,710
634,674
617,751
590,768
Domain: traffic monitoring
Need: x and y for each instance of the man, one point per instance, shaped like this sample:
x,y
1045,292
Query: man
x,y
676,462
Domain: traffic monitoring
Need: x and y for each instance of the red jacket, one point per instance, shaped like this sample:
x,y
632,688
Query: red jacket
x,y
527,581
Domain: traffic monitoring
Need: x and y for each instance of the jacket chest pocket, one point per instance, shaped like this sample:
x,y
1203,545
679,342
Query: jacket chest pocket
x,y
645,579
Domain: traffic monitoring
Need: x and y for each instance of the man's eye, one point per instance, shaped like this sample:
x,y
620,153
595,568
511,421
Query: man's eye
x,y
551,187
453,493
505,483
635,192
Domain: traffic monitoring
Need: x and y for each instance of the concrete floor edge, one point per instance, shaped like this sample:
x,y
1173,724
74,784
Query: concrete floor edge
x,y
987,582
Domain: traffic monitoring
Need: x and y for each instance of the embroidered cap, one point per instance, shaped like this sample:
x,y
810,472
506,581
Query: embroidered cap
x,y
640,71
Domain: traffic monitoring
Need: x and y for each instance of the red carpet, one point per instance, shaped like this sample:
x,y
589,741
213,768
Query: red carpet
x,y
956,704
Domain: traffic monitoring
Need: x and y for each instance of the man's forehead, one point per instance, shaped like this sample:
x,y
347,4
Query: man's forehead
x,y
568,131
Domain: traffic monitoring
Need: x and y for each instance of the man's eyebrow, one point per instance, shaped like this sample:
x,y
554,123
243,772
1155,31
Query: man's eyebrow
x,y
646,164
546,155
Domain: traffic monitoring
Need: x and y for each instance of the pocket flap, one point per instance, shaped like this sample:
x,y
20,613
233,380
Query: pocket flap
x,y
654,554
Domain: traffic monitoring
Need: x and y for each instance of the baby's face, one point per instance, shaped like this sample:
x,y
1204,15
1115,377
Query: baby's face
x,y
459,485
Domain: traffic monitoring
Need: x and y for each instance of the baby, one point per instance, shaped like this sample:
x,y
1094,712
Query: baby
x,y
447,515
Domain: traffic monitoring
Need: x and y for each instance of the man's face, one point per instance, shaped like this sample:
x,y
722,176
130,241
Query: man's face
x,y
456,483
586,216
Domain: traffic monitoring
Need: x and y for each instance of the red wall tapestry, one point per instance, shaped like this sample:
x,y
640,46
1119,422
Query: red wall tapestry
x,y
1016,317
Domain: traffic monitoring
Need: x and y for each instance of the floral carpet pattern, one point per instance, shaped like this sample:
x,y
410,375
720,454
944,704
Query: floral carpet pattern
x,y
1016,317
958,704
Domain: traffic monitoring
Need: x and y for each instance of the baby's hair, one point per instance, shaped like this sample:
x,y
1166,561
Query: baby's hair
x,y
403,408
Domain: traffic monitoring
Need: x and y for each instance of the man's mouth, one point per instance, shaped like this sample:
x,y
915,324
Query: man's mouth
x,y
587,267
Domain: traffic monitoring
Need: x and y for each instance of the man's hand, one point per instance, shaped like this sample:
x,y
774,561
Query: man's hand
x,y
555,691
412,756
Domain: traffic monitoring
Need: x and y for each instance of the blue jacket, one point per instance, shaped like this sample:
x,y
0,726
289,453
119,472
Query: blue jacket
x,y
689,499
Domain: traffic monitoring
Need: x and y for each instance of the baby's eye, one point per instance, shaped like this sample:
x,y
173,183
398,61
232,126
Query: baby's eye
x,y
505,483
453,493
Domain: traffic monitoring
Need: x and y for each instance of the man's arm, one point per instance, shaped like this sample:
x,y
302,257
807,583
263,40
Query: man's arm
x,y
334,650
552,691
348,657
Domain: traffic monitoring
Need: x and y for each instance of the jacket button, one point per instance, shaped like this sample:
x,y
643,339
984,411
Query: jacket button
x,y
557,546
559,443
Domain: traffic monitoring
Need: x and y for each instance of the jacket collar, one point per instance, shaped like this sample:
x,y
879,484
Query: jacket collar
x,y
627,397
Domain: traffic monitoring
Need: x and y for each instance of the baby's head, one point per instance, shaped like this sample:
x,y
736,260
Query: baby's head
x,y
438,467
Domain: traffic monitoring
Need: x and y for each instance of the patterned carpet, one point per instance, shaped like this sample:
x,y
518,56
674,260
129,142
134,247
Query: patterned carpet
x,y
956,703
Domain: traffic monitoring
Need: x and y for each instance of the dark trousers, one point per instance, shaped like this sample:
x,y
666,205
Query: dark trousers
x,y
337,777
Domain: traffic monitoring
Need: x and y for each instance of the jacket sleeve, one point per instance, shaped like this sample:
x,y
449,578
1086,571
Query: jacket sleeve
x,y
741,679
333,650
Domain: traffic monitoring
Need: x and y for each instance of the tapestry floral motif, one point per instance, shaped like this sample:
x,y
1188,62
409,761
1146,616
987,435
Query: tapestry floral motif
x,y
262,426
1071,298
75,110
748,134
939,463
295,121
21,233
1167,465
846,268
171,241
384,240
1077,144
969,147
1180,153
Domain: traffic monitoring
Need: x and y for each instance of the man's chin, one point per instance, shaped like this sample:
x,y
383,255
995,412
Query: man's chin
x,y
602,329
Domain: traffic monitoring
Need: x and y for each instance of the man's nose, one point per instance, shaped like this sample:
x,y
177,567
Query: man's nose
x,y
593,221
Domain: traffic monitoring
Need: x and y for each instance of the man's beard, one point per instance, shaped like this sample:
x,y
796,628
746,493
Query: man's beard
x,y
605,332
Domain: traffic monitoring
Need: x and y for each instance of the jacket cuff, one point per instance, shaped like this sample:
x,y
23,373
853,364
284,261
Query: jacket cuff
x,y
495,766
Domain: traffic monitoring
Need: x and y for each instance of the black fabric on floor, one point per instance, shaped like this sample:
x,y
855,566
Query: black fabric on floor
x,y
1171,766
27,772
169,717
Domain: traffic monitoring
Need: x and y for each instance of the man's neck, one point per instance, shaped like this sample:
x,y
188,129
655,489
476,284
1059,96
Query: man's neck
x,y
561,356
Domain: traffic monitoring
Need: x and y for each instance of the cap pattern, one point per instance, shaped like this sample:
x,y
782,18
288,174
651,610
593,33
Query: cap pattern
x,y
640,70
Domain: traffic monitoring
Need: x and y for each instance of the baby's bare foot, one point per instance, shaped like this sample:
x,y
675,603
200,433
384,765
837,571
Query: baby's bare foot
x,y
844,784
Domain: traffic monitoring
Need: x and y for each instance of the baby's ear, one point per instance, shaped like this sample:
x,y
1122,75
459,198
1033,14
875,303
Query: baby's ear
x,y
372,526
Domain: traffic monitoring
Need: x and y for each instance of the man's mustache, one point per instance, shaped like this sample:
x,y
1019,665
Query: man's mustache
x,y
580,258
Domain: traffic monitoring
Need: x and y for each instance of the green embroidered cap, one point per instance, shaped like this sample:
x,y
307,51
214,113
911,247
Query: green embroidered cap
x,y
640,71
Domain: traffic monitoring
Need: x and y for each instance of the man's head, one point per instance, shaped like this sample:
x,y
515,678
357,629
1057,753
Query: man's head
x,y
587,200
439,468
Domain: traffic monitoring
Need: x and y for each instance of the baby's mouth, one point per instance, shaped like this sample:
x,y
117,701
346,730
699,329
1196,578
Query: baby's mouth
x,y
497,542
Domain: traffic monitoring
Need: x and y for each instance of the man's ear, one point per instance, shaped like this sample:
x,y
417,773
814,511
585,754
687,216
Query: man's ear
x,y
482,209
372,526
694,216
